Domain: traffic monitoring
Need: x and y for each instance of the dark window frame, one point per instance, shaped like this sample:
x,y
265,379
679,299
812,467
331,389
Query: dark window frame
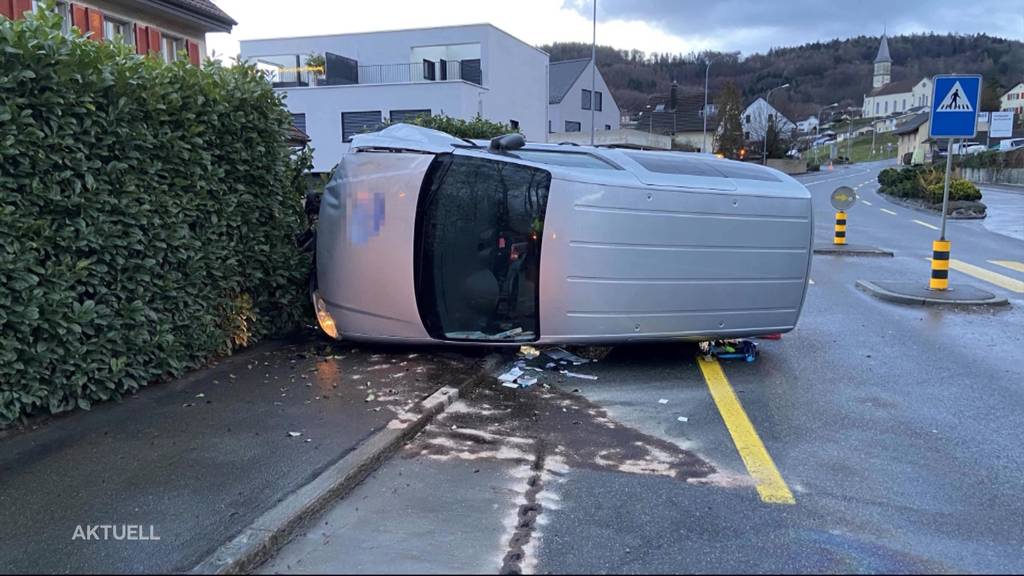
x,y
598,101
578,126
586,99
347,139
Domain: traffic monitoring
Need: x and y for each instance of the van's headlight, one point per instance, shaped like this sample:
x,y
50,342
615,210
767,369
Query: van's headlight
x,y
323,317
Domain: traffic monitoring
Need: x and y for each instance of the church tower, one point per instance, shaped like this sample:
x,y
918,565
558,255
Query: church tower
x,y
883,65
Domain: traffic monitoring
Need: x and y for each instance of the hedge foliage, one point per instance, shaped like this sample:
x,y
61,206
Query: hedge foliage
x,y
925,183
147,215
478,127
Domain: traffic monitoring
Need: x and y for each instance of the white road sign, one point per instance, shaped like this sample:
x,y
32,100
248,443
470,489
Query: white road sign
x,y
1001,125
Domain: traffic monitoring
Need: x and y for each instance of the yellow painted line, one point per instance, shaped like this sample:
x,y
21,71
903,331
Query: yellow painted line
x,y
887,211
770,485
927,225
1008,264
987,275
866,202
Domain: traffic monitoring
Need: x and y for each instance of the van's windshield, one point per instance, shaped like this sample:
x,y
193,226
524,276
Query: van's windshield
x,y
479,229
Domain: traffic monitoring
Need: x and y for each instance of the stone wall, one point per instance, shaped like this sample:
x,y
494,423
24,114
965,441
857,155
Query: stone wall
x,y
992,176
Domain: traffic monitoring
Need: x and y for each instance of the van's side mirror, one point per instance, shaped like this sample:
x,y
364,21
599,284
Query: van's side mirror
x,y
507,142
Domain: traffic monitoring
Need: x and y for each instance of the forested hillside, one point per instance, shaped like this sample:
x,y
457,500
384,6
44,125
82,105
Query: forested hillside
x,y
820,73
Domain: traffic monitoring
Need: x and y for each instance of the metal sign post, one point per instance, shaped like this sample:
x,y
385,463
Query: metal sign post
x,y
954,114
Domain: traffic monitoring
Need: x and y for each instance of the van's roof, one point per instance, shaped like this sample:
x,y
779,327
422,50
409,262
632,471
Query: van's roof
x,y
598,164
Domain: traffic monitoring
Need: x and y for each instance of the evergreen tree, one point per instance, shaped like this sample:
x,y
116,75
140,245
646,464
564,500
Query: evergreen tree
x,y
730,108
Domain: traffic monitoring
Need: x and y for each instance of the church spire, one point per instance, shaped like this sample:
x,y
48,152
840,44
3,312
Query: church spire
x,y
883,51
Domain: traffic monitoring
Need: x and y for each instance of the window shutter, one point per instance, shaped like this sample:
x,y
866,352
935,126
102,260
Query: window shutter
x,y
21,7
193,53
141,39
7,9
154,41
78,18
95,23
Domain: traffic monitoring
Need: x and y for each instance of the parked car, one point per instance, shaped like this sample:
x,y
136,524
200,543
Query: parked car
x,y
974,149
423,237
1011,144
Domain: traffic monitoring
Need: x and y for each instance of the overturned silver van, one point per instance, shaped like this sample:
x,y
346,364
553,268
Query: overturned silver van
x,y
424,237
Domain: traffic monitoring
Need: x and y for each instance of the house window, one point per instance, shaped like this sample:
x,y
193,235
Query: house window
x,y
173,48
353,123
549,127
607,126
746,135
64,11
514,124
118,31
586,99
571,126
408,115
876,107
747,120
299,121
598,103
886,106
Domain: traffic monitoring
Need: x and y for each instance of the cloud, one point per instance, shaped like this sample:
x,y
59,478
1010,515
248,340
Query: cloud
x,y
757,25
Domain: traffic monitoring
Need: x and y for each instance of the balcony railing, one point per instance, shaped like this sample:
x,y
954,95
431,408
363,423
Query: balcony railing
x,y
425,71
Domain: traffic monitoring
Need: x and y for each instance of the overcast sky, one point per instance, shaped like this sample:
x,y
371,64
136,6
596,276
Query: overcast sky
x,y
649,25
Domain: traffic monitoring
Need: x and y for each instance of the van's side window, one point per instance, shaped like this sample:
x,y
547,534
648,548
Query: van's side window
x,y
479,233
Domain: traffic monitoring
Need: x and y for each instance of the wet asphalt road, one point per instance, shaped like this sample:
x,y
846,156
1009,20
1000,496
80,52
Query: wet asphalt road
x,y
897,430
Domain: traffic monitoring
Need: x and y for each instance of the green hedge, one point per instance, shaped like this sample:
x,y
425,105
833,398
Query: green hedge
x,y
147,215
478,127
925,183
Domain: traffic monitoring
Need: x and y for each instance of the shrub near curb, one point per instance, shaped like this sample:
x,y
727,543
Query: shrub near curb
x,y
146,217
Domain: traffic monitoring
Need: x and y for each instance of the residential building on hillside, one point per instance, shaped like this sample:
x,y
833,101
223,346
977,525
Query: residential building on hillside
x,y
1013,100
914,145
572,98
172,29
759,115
684,121
888,97
366,79
808,124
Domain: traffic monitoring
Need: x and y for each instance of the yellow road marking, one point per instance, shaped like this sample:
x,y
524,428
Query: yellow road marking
x,y
887,211
770,485
1008,264
927,225
987,275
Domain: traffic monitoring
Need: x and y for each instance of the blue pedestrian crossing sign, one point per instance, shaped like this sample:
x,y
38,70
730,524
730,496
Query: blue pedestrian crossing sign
x,y
955,106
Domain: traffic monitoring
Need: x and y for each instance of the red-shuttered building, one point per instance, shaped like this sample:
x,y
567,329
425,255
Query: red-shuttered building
x,y
169,29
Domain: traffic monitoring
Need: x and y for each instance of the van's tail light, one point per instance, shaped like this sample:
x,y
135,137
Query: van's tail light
x,y
323,317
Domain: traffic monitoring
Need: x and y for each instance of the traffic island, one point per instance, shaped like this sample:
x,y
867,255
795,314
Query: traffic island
x,y
850,250
918,294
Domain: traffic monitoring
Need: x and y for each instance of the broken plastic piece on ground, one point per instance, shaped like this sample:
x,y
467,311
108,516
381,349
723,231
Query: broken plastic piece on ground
x,y
683,419
510,385
528,352
576,375
526,381
663,401
511,375
564,355
727,349
295,434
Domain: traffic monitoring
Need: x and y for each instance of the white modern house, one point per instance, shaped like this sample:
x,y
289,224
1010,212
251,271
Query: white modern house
x,y
759,115
575,95
369,78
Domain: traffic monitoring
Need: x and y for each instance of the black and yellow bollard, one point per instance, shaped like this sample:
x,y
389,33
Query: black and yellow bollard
x,y
840,237
940,265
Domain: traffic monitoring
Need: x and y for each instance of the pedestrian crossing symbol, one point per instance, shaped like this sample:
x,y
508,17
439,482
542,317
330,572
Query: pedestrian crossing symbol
x,y
954,109
955,101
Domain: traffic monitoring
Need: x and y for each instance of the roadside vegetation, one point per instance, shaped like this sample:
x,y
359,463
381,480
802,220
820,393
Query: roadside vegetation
x,y
147,217
925,183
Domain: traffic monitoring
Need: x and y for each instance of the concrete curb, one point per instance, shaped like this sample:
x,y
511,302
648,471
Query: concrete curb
x,y
919,300
850,250
275,527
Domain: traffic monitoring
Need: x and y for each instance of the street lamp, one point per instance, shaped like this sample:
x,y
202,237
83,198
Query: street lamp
x,y
817,127
704,138
764,144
